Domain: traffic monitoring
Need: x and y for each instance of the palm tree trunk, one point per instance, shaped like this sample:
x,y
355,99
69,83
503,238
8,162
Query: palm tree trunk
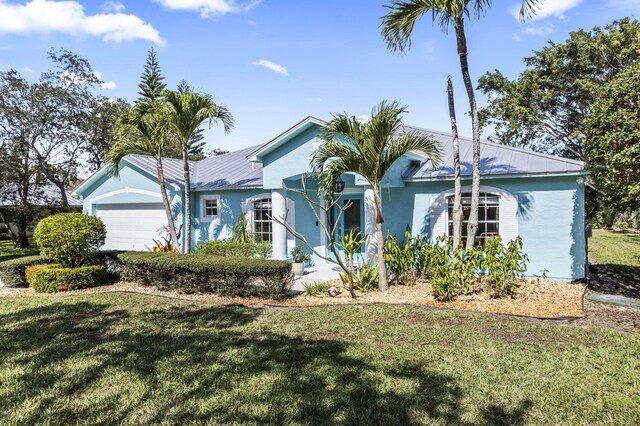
x,y
167,206
457,183
382,266
461,39
187,200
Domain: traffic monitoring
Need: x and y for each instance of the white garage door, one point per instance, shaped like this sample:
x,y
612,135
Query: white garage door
x,y
132,226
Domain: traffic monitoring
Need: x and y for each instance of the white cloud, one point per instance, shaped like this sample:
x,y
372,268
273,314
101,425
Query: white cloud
x,y
208,8
548,8
26,69
108,85
542,30
112,6
68,78
273,67
68,17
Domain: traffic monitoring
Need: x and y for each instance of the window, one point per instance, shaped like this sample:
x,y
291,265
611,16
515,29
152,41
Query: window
x,y
262,219
209,208
488,216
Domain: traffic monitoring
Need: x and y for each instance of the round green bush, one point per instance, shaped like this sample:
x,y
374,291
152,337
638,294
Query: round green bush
x,y
71,239
54,278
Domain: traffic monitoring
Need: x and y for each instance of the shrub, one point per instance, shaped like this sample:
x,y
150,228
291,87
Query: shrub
x,y
452,272
298,255
196,273
365,277
54,278
227,248
503,267
12,272
400,259
109,259
71,239
316,288
264,249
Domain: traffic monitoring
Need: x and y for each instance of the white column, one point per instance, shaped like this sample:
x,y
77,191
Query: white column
x,y
371,246
278,231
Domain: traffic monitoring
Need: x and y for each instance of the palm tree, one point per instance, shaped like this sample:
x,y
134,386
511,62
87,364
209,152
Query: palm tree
x,y
144,131
457,180
369,150
397,26
187,111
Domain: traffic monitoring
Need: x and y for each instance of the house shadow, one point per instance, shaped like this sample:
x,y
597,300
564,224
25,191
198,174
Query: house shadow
x,y
188,364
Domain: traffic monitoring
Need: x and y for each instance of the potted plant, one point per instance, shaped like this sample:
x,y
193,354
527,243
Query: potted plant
x,y
298,257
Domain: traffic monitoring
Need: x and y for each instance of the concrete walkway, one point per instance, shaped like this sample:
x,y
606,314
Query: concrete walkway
x,y
317,274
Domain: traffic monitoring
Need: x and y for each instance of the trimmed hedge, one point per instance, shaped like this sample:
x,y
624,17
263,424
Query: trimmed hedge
x,y
53,278
197,273
259,249
12,272
71,239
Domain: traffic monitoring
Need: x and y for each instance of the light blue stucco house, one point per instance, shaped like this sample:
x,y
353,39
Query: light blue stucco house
x,y
539,197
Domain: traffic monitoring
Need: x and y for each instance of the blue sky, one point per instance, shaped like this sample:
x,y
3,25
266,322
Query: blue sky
x,y
274,62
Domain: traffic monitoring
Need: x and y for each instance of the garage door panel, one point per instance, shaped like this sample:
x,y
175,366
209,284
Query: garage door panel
x,y
132,226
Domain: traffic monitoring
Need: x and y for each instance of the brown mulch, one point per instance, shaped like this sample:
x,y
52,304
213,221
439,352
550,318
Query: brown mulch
x,y
545,299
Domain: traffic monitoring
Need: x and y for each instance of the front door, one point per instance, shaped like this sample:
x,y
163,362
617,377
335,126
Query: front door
x,y
351,219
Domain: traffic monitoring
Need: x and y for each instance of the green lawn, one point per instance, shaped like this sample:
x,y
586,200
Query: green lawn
x,y
118,358
7,251
615,248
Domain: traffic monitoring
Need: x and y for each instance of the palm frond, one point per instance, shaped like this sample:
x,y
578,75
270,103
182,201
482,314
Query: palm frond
x,y
412,141
368,148
529,9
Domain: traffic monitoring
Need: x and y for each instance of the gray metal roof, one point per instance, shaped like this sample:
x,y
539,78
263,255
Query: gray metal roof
x,y
495,159
233,170
172,167
45,195
229,170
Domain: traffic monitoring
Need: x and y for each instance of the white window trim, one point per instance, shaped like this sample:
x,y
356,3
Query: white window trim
x,y
507,212
203,201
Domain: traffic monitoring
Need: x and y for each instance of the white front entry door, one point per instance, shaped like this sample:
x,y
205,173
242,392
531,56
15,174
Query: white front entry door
x,y
132,226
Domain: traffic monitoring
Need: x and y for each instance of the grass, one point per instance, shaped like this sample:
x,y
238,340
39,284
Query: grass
x,y
118,358
619,249
7,251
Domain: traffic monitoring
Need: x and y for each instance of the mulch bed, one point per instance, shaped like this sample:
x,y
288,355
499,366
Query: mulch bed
x,y
543,299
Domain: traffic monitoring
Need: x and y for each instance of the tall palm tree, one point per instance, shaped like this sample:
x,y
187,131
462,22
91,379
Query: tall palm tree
x,y
187,111
144,131
369,150
457,180
397,26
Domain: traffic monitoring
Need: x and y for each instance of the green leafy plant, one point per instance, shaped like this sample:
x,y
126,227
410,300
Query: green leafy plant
x,y
316,288
54,278
298,255
263,249
71,239
401,259
367,277
350,244
240,232
503,266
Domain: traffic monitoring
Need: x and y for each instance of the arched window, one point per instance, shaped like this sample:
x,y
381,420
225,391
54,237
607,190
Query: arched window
x,y
488,216
262,226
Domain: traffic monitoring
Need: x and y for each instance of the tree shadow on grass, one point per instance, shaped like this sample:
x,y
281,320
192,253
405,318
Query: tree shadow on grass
x,y
104,364
615,279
